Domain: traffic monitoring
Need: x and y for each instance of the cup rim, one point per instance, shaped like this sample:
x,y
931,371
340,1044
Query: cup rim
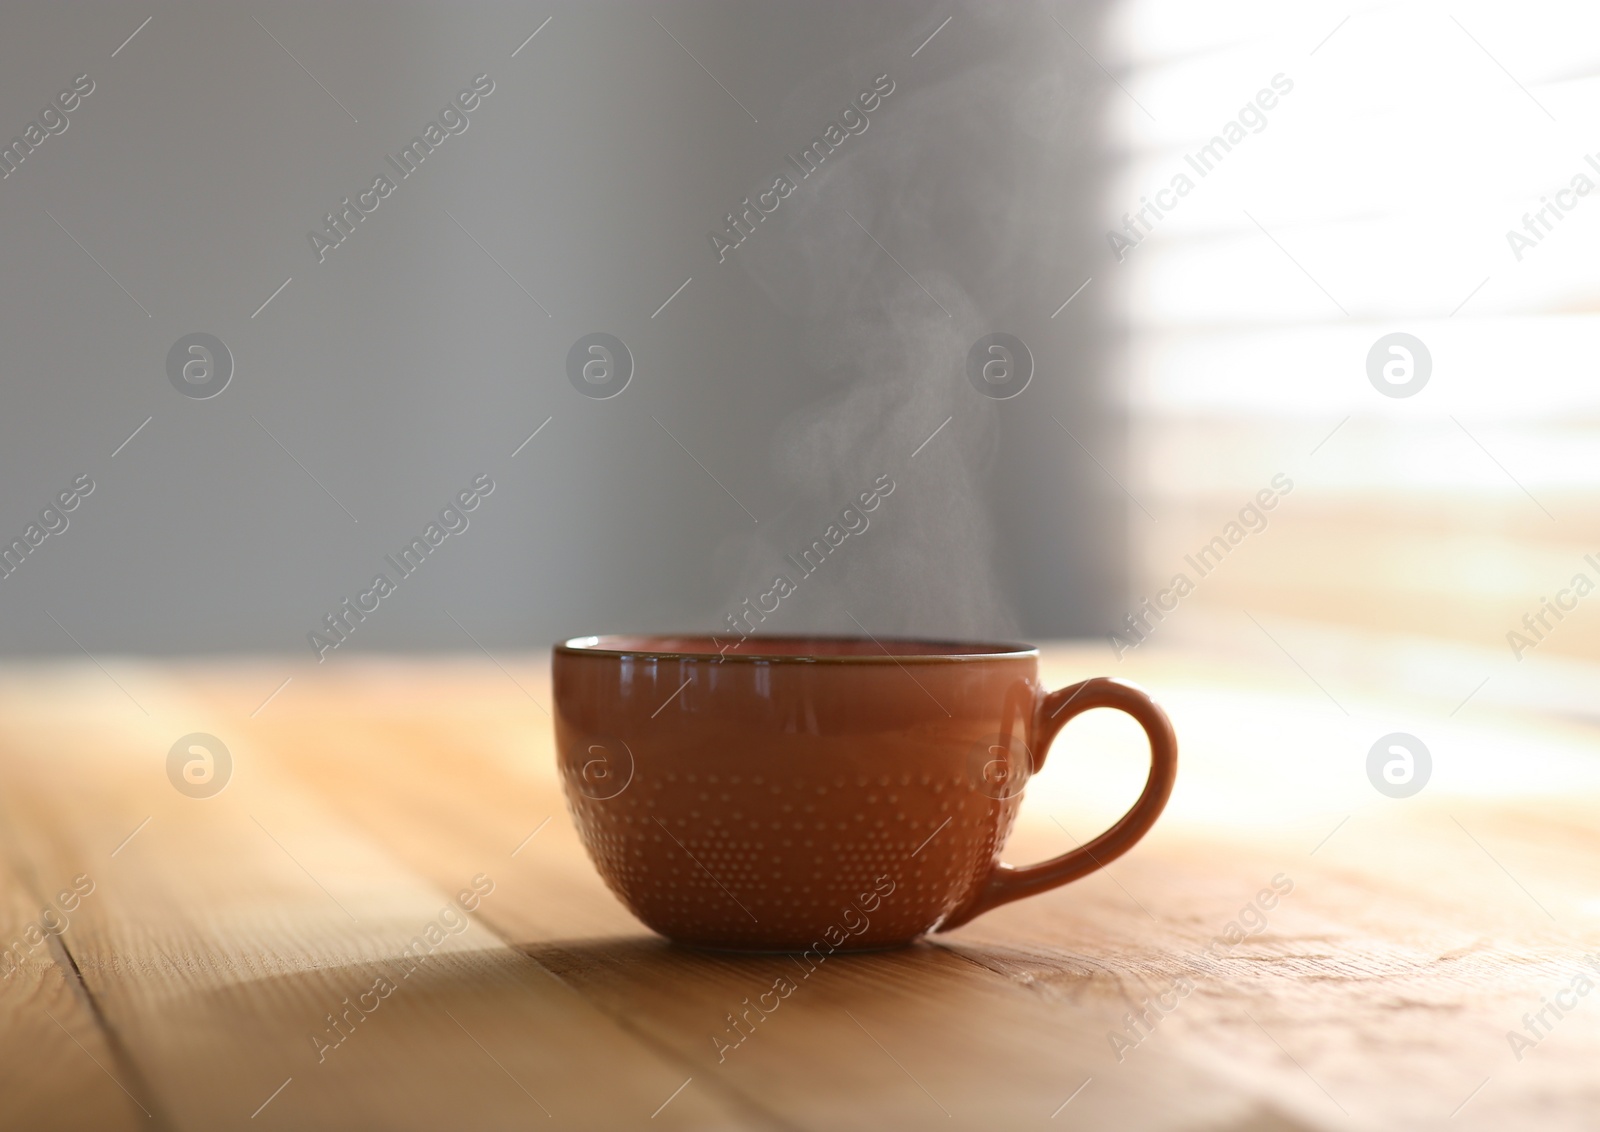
x,y
939,651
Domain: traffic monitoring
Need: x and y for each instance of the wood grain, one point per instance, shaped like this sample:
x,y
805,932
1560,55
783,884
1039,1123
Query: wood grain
x,y
237,924
59,1068
1372,986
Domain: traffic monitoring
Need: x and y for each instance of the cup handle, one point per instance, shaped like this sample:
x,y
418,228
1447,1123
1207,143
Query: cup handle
x,y
1006,883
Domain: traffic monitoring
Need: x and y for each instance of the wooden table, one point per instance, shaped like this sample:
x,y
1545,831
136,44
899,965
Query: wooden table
x,y
197,970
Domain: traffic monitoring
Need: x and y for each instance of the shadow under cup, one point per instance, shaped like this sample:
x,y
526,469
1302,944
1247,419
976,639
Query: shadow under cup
x,y
807,793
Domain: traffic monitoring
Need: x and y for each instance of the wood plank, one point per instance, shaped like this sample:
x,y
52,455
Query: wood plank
x,y
1377,993
235,925
1428,964
961,1025
967,1025
58,1066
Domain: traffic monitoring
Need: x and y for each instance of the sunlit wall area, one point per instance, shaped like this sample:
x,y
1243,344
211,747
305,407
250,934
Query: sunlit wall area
x,y
1355,255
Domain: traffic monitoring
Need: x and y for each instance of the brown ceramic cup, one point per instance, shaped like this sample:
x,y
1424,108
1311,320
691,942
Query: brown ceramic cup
x,y
820,793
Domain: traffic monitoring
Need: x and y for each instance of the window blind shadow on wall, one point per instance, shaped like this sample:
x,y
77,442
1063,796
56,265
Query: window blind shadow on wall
x,y
1296,189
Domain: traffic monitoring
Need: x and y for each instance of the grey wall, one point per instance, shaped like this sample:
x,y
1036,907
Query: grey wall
x,y
380,381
